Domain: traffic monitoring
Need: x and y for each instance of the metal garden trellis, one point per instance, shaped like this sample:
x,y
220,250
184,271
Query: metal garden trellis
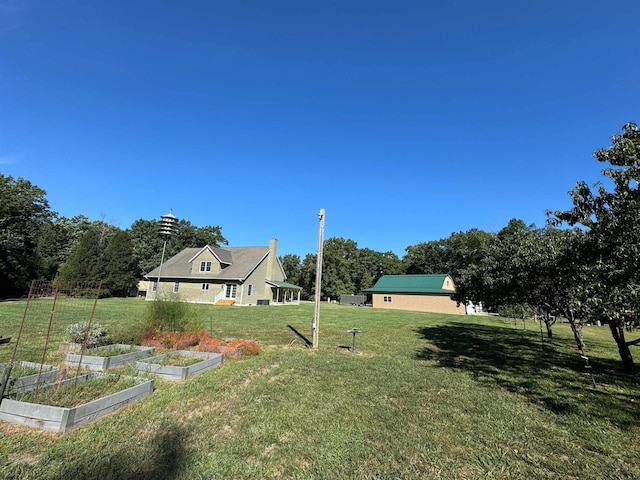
x,y
52,303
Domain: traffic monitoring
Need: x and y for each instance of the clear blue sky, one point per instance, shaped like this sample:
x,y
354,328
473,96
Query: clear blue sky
x,y
405,120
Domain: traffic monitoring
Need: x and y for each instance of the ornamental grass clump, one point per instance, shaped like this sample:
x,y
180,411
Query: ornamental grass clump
x,y
219,345
164,341
171,340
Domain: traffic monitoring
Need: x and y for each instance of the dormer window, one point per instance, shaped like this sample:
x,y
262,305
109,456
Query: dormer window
x,y
205,266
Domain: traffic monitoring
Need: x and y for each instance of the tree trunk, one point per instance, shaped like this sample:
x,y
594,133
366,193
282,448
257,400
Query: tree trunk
x,y
546,316
617,331
576,328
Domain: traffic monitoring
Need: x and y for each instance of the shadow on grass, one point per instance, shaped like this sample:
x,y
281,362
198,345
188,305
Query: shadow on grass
x,y
164,457
548,372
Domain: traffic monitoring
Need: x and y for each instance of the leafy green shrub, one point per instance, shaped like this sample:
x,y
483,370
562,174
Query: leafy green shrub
x,y
95,336
520,311
169,313
129,334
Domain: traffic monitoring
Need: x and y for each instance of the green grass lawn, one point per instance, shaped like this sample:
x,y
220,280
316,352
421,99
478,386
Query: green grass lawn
x,y
429,396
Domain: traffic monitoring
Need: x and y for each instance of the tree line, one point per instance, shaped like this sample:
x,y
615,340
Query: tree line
x,y
36,243
582,265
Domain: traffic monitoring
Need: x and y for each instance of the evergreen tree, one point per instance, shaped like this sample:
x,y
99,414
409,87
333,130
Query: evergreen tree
x,y
85,261
56,240
120,267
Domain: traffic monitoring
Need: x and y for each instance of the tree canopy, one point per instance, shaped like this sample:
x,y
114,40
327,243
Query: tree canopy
x,y
585,270
610,214
23,211
148,244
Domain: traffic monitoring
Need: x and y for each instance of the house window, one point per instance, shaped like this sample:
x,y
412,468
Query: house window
x,y
205,286
205,266
387,299
249,290
154,286
231,291
176,287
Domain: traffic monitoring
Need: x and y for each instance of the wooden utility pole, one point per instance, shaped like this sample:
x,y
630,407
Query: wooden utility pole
x,y
316,313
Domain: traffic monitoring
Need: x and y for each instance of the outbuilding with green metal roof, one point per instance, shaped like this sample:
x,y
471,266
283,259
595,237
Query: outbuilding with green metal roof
x,y
425,293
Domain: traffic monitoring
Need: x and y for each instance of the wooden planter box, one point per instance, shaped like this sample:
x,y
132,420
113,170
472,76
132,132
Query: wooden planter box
x,y
60,419
49,375
93,362
175,373
228,352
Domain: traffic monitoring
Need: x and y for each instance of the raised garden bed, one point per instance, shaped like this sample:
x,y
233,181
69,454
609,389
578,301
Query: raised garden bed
x,y
229,351
62,419
70,347
25,375
179,365
109,356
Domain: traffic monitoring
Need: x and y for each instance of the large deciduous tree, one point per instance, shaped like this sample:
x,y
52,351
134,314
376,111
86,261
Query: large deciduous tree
x,y
465,252
189,235
496,275
56,241
610,213
426,258
148,243
347,269
371,265
339,265
459,255
23,212
307,279
291,265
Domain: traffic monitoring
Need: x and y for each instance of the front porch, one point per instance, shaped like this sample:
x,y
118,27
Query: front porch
x,y
283,293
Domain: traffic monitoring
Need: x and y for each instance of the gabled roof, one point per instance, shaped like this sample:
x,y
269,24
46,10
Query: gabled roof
x,y
239,261
221,254
284,285
413,284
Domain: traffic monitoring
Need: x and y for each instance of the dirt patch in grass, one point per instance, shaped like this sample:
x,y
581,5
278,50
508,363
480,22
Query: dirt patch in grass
x,y
25,458
7,429
261,373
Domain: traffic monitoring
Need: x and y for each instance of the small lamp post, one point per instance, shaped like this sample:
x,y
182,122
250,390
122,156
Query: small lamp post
x,y
167,228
